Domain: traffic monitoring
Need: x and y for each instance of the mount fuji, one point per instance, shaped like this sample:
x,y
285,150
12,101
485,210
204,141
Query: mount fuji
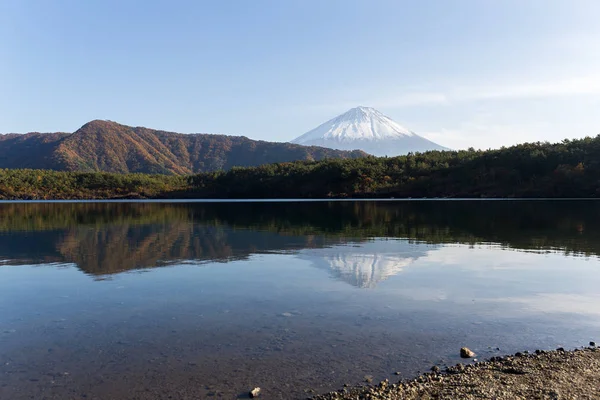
x,y
366,129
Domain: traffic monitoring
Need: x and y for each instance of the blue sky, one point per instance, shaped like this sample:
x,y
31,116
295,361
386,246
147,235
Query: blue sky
x,y
481,73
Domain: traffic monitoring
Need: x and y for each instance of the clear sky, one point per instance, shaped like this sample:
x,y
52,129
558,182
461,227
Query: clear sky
x,y
481,73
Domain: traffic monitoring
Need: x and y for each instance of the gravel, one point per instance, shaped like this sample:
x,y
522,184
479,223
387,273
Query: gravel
x,y
552,375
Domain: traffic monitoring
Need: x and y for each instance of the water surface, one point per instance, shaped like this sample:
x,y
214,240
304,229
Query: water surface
x,y
200,300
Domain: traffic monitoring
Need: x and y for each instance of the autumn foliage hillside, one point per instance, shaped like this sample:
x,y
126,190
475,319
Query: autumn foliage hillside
x,y
105,146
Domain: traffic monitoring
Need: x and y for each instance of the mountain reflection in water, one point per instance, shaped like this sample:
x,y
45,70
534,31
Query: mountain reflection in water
x,y
239,294
107,238
366,265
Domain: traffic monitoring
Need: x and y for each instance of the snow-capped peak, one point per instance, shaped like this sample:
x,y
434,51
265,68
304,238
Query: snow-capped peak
x,y
367,129
359,123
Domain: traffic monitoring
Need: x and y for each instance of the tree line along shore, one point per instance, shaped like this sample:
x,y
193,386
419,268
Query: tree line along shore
x,y
569,169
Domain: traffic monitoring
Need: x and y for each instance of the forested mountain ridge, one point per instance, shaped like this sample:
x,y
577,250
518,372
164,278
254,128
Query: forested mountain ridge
x,y
111,147
569,169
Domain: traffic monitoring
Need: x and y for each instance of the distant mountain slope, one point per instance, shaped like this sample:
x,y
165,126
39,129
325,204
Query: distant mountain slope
x,y
367,129
112,147
31,150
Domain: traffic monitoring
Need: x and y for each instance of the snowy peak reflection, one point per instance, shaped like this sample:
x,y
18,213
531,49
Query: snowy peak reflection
x,y
107,238
364,265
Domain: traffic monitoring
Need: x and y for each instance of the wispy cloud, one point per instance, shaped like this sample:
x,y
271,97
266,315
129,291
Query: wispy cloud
x,y
576,86
573,86
484,135
589,85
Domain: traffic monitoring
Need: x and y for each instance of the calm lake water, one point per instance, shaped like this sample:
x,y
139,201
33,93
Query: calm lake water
x,y
200,300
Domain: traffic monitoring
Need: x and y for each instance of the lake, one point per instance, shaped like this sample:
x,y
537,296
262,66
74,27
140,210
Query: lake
x,y
184,300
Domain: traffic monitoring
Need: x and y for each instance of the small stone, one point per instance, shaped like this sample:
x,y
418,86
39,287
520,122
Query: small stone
x,y
254,392
435,369
593,344
465,352
368,378
397,373
560,349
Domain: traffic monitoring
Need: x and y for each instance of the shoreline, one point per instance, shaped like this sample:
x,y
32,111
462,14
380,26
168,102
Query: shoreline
x,y
556,374
290,200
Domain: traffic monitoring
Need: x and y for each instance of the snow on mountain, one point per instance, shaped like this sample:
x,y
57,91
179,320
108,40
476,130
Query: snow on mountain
x,y
365,128
360,123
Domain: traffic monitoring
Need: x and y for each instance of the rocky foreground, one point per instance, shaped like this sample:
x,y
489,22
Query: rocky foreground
x,y
555,374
